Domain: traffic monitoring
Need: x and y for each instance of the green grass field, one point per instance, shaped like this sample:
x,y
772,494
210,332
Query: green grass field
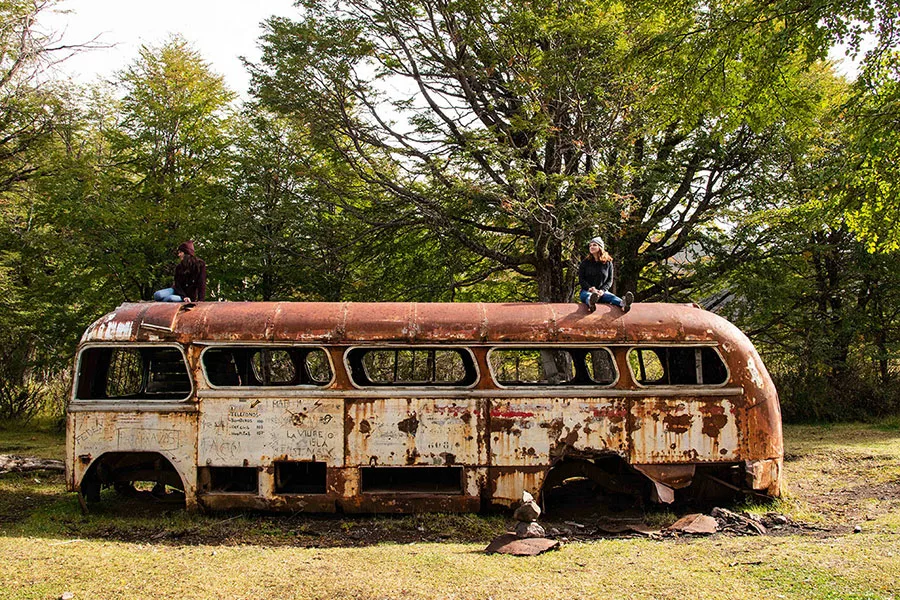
x,y
838,477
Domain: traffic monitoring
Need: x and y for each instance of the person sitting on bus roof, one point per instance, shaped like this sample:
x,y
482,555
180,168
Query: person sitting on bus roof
x,y
596,276
190,278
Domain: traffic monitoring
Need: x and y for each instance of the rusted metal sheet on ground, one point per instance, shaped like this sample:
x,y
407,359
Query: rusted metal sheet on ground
x,y
414,431
257,431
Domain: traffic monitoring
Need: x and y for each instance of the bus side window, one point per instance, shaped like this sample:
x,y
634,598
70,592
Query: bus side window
x,y
317,367
133,373
419,366
552,366
274,367
677,365
263,366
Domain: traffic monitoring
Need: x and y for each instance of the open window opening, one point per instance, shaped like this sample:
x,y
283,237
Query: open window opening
x,y
677,365
552,366
243,366
412,480
133,373
294,477
452,367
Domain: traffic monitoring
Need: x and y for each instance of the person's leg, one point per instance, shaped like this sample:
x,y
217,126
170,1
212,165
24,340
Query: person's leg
x,y
161,295
173,298
585,296
607,298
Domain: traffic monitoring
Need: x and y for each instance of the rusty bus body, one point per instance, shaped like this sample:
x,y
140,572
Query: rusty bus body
x,y
182,395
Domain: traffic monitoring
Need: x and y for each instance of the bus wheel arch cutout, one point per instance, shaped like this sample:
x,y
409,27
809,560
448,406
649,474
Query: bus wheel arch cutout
x,y
120,470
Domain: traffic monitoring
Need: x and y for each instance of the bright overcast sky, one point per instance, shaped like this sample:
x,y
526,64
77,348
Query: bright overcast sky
x,y
221,30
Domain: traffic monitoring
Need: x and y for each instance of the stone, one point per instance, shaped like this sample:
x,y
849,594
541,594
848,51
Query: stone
x,y
528,512
529,530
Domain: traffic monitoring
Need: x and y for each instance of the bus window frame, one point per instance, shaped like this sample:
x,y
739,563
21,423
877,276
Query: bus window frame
x,y
135,402
266,345
545,346
424,386
688,386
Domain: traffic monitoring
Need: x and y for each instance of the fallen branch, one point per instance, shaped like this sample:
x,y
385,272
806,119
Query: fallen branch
x,y
10,463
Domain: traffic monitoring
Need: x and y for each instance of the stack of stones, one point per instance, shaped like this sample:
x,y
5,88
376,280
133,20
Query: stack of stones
x,y
526,515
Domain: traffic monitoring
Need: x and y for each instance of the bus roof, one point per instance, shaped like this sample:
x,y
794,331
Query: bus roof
x,y
409,322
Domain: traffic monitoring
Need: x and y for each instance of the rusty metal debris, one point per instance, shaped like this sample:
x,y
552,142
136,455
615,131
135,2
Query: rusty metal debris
x,y
695,524
509,543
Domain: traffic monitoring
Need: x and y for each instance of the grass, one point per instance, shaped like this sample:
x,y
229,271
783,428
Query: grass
x,y
42,438
838,477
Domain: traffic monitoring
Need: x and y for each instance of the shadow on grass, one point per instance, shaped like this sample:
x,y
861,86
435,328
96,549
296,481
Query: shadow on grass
x,y
37,505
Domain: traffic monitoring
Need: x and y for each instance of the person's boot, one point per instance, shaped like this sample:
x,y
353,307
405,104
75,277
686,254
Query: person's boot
x,y
592,302
629,298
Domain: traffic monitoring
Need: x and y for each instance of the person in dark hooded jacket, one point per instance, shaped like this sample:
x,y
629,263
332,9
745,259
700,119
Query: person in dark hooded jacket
x,y
190,278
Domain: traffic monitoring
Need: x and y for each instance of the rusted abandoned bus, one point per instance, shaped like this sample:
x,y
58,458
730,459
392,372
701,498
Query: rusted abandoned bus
x,y
393,407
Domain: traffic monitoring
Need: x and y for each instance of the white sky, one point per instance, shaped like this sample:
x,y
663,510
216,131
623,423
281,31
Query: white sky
x,y
221,30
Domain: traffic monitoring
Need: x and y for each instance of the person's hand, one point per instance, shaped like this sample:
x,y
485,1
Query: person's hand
x,y
186,299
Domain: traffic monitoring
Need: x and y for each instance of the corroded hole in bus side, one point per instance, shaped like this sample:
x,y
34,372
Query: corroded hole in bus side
x,y
608,484
604,483
133,474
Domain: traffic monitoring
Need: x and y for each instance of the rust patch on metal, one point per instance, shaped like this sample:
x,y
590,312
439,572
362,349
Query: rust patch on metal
x,y
449,458
409,425
555,427
500,425
713,424
677,423
365,427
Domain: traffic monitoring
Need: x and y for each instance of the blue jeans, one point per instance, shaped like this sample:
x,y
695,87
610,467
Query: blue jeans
x,y
605,298
166,295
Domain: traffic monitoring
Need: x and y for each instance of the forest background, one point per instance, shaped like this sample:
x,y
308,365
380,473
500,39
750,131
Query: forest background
x,y
466,150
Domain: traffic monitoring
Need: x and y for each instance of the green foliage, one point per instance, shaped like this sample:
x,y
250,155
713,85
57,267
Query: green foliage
x,y
869,189
465,151
529,127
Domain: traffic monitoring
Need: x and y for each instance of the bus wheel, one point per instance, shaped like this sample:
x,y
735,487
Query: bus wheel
x,y
90,490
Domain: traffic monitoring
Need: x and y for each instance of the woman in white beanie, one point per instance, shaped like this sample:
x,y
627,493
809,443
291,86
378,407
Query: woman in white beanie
x,y
596,277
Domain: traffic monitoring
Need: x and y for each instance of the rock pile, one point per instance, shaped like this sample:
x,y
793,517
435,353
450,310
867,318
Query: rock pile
x,y
528,538
526,516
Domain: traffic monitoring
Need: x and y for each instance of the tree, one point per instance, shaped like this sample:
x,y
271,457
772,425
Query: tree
x,y
161,171
527,128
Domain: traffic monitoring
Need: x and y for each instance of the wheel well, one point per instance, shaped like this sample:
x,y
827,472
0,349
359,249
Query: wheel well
x,y
586,481
124,468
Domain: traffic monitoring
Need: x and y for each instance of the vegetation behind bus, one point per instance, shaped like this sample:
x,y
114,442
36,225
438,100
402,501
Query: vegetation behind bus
x,y
281,210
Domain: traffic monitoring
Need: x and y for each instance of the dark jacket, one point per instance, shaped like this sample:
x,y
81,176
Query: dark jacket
x,y
595,274
190,278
